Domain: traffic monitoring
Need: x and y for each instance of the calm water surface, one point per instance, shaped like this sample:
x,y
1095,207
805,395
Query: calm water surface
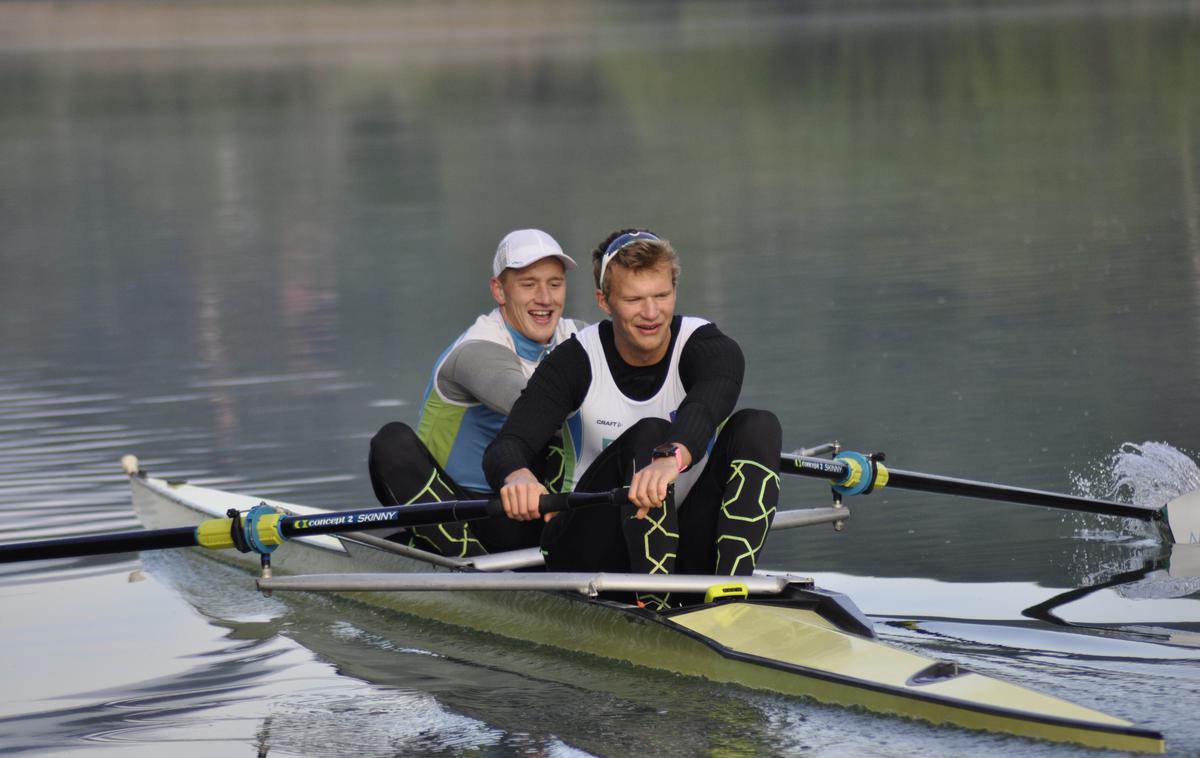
x,y
232,242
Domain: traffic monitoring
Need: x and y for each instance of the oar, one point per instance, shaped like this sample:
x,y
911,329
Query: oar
x,y
853,473
262,529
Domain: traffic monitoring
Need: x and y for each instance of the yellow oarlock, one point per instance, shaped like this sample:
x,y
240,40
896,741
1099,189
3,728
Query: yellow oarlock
x,y
215,534
268,529
864,474
853,475
881,475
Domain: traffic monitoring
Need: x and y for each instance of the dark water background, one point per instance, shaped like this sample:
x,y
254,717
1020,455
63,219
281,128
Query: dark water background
x,y
233,239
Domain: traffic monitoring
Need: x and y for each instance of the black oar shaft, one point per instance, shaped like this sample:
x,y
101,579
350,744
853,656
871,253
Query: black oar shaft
x,y
99,544
401,516
948,485
911,480
218,535
395,517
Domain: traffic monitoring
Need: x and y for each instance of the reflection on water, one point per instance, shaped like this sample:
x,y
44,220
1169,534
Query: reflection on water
x,y
233,239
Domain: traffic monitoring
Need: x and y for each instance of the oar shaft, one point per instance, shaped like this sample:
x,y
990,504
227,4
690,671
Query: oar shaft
x,y
834,470
393,517
99,544
402,516
271,530
910,480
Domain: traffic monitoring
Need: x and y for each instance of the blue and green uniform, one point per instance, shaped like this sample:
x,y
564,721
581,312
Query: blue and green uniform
x,y
441,460
456,427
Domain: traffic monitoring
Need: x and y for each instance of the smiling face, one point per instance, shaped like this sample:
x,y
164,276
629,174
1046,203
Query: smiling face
x,y
531,299
641,303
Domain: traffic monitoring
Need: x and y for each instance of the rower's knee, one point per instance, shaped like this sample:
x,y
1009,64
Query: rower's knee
x,y
756,435
394,441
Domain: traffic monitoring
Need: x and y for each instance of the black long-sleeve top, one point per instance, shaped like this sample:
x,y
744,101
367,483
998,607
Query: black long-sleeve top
x,y
711,367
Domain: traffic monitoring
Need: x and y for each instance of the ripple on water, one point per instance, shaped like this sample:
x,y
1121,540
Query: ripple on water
x,y
58,448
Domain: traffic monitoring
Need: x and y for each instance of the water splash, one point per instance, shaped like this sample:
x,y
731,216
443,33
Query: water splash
x,y
1138,474
1149,474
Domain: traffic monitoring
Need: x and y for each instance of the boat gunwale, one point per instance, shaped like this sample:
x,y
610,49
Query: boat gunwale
x,y
168,491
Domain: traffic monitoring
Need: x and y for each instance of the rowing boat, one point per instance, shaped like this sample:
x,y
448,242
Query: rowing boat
x,y
775,632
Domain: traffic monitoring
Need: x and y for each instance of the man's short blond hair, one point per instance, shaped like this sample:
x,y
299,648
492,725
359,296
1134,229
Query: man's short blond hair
x,y
634,249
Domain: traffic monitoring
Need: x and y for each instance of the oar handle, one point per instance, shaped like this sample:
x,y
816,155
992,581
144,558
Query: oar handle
x,y
836,470
570,500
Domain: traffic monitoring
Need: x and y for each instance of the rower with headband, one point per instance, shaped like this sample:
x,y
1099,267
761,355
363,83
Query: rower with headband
x,y
617,245
645,399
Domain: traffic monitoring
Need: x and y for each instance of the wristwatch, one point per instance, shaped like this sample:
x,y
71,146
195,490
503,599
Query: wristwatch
x,y
669,450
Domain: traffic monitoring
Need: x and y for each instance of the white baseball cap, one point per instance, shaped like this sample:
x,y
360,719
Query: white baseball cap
x,y
523,247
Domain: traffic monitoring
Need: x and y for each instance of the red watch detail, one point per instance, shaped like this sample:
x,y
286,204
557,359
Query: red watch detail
x,y
669,451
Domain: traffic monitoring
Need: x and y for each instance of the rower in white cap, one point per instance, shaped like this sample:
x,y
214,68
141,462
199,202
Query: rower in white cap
x,y
473,386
